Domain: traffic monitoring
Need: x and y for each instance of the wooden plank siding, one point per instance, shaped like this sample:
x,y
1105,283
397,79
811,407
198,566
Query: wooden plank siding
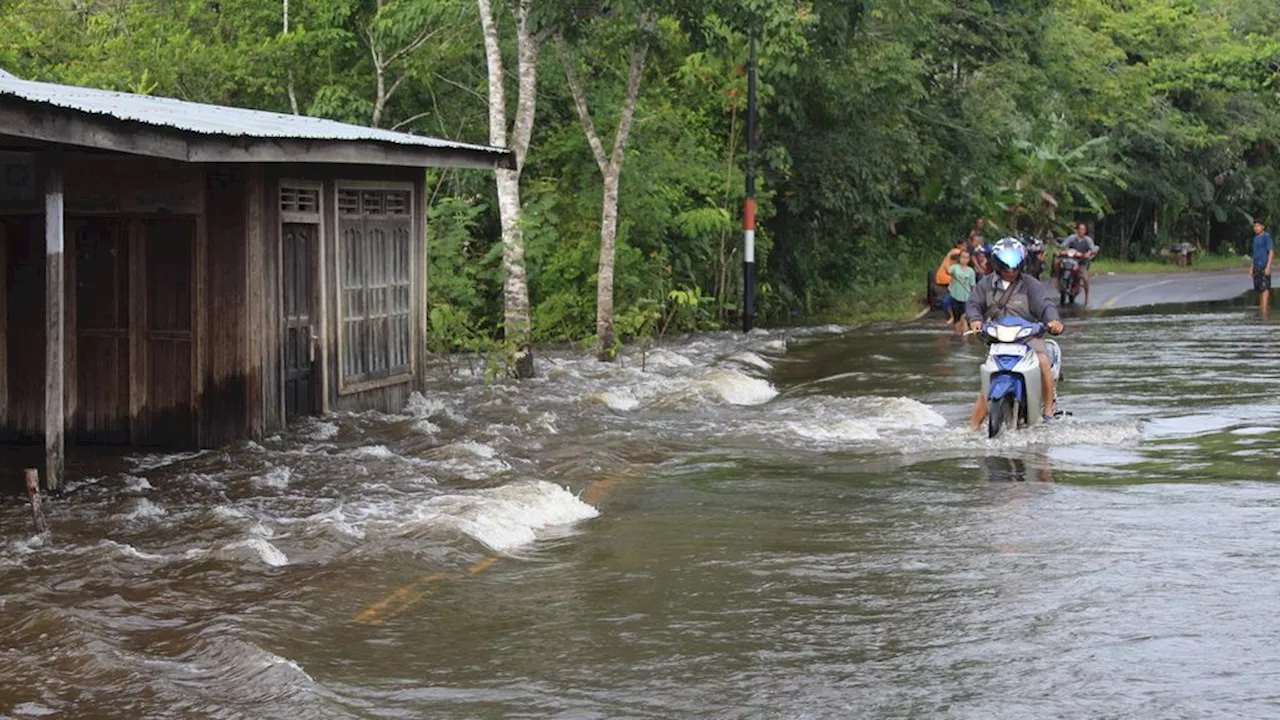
x,y
175,318
224,411
272,308
26,339
4,325
255,311
167,418
101,308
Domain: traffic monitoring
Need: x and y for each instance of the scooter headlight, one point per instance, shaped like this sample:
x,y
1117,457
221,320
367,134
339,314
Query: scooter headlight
x,y
1025,332
1005,333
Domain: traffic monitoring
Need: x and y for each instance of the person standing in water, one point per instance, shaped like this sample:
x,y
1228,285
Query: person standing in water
x,y
1260,270
963,278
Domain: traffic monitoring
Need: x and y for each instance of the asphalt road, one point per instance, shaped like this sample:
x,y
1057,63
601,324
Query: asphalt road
x,y
1115,292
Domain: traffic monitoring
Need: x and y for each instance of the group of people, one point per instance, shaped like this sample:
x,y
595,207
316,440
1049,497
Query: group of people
x,y
973,259
984,281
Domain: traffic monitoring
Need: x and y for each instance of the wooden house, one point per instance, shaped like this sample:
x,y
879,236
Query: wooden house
x,y
186,275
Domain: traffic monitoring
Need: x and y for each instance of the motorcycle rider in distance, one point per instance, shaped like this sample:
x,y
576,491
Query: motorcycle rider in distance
x,y
1008,292
1082,243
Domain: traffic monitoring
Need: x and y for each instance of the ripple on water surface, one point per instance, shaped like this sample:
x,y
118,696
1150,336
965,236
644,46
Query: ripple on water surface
x,y
787,524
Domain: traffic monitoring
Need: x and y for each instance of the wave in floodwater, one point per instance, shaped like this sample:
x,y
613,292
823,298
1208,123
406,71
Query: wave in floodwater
x,y
191,580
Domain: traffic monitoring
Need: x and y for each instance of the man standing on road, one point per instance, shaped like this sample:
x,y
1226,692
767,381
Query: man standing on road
x,y
1263,252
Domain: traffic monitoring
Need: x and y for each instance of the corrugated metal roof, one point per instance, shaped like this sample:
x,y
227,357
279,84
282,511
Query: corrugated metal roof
x,y
213,120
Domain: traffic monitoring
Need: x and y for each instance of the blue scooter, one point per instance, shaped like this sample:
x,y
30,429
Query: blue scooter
x,y
1011,374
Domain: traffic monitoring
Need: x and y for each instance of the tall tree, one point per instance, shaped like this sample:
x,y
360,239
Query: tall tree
x,y
610,169
528,47
393,32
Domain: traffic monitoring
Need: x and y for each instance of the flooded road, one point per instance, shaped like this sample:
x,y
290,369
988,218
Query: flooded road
x,y
792,524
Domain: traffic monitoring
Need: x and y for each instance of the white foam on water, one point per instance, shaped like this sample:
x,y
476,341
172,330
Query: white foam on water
x,y
426,427
381,452
905,413
746,357
736,388
133,484
144,509
506,517
840,431
143,463
131,551
1117,433
664,359
827,419
546,422
276,478
478,449
420,406
472,460
622,400
33,709
336,520
28,546
269,554
227,512
323,431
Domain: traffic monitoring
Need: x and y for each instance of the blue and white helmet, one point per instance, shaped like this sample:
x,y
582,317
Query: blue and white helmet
x,y
1008,254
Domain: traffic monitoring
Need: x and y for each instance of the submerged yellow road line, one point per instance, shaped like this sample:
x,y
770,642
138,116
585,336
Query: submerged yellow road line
x,y
405,597
400,599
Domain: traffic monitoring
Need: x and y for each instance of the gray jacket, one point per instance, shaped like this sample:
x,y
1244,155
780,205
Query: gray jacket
x,y
1029,300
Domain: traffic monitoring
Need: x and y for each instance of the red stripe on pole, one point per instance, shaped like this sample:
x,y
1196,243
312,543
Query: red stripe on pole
x,y
749,215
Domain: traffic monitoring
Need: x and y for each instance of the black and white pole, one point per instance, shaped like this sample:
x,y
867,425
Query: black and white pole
x,y
749,207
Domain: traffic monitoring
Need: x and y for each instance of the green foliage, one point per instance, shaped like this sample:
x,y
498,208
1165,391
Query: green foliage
x,y
886,128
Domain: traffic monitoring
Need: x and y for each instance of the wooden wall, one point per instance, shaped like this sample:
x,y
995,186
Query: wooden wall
x,y
24,277
132,242
176,333
224,399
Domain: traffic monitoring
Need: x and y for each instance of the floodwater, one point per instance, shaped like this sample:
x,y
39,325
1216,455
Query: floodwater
x,y
791,524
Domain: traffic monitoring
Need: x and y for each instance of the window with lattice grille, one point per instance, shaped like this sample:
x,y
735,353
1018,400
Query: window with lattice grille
x,y
375,270
299,200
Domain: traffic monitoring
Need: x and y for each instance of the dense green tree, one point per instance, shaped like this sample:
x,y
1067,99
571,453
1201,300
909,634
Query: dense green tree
x,y
886,128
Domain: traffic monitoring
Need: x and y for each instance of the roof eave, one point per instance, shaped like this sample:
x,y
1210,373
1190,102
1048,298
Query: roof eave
x,y
49,123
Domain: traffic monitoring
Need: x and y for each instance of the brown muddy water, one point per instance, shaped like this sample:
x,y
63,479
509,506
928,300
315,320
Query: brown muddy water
x,y
792,524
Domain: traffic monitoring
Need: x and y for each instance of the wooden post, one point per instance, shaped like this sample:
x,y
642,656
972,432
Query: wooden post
x,y
33,492
55,328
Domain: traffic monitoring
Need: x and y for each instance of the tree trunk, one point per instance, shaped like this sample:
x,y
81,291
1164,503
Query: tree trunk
x,y
516,323
515,286
611,174
380,94
608,253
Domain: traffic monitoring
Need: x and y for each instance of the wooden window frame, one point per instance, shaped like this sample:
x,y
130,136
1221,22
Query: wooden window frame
x,y
346,386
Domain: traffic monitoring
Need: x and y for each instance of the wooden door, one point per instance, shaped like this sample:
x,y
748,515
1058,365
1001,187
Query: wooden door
x,y
299,249
163,276
101,330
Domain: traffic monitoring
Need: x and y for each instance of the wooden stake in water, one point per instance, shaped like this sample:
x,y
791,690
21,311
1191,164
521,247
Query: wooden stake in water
x,y
37,510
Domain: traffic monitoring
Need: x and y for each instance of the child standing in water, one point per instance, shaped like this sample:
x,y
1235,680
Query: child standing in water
x,y
963,278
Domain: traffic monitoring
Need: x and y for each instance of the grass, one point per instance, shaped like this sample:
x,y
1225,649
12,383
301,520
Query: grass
x,y
890,299
1201,263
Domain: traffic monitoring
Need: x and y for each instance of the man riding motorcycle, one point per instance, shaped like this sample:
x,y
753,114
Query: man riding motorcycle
x,y
1082,243
1008,292
1035,256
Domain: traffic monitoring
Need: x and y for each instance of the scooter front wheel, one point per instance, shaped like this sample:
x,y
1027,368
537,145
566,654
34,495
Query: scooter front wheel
x,y
1002,411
